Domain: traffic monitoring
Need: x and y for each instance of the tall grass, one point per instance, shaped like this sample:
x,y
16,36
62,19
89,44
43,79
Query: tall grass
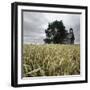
x,y
51,60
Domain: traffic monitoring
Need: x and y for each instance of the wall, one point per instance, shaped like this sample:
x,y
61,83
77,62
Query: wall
x,y
5,46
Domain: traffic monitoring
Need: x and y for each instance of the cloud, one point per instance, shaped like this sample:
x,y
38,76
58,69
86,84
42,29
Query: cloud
x,y
35,23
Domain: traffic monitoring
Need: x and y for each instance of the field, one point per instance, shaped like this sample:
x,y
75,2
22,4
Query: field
x,y
50,60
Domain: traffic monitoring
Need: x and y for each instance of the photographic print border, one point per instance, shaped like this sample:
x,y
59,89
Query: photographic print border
x,y
14,43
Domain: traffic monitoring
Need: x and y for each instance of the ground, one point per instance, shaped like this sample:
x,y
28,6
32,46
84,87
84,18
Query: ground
x,y
51,60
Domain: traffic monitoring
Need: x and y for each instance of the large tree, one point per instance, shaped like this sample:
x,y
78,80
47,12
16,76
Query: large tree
x,y
55,33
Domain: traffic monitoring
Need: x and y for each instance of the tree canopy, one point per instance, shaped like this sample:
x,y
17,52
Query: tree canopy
x,y
55,33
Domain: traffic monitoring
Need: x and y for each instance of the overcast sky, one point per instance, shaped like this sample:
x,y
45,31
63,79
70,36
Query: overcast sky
x,y
35,23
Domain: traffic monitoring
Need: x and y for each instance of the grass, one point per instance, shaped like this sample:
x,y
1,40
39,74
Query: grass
x,y
51,60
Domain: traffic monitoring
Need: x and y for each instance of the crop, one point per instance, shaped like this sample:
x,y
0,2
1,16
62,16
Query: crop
x,y
50,60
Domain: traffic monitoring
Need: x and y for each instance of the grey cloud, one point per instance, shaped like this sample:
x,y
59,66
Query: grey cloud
x,y
35,23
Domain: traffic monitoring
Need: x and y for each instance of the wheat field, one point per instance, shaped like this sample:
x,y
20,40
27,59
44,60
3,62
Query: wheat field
x,y
50,60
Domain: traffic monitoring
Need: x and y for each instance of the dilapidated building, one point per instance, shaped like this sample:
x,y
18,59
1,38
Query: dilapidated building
x,y
54,37
69,37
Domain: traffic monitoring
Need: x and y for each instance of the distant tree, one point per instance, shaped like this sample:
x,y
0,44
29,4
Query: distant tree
x,y
55,33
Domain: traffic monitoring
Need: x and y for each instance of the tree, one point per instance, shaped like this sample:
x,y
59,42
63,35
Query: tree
x,y
55,33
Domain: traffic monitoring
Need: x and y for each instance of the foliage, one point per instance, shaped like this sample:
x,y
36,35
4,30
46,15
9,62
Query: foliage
x,y
51,60
55,32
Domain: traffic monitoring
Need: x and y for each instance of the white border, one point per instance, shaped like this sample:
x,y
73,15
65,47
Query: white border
x,y
82,49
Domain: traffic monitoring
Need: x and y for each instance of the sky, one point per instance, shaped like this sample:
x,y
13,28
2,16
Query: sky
x,y
35,23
